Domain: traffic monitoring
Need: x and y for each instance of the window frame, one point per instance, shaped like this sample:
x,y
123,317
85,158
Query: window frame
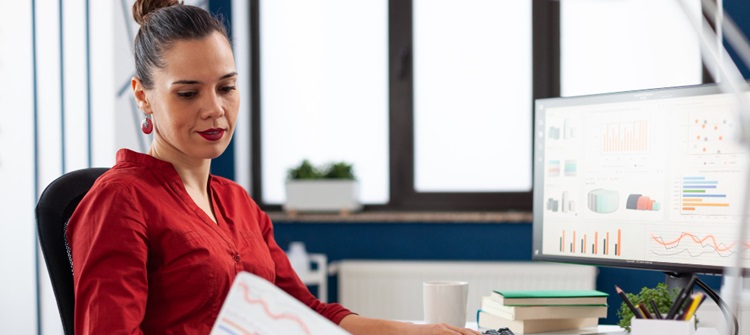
x,y
402,193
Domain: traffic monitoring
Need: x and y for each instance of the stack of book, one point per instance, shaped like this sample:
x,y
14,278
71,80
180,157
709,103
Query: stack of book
x,y
542,311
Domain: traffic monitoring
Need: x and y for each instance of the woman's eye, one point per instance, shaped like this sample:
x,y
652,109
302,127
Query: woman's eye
x,y
186,94
228,89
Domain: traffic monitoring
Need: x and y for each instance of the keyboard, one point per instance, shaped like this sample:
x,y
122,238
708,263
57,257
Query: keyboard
x,y
501,331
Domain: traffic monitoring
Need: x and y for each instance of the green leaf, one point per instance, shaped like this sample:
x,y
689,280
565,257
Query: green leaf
x,y
339,170
306,170
660,294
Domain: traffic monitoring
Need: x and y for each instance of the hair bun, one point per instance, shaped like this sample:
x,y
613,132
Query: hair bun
x,y
142,8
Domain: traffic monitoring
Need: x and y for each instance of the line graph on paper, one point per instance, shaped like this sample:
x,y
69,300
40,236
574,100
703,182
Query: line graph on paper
x,y
688,246
255,306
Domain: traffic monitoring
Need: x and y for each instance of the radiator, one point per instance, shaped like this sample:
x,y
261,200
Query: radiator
x,y
393,289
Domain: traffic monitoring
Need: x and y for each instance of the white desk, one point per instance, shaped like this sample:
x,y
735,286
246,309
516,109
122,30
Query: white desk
x,y
598,330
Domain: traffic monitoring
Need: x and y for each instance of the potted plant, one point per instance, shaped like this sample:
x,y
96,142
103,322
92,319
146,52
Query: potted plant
x,y
660,294
332,188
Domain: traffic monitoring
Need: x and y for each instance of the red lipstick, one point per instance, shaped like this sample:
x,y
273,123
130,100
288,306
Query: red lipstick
x,y
212,134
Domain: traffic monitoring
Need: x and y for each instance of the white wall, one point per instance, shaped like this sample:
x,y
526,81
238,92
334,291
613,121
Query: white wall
x,y
65,103
44,81
17,242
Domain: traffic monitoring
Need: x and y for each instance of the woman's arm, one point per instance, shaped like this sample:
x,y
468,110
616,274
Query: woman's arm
x,y
109,253
358,325
286,279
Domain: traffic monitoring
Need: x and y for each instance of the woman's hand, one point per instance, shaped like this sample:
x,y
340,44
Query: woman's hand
x,y
358,325
442,329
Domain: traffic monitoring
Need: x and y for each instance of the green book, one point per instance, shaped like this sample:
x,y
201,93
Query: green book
x,y
550,297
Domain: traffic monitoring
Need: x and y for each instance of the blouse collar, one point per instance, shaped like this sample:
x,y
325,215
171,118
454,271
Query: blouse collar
x,y
154,164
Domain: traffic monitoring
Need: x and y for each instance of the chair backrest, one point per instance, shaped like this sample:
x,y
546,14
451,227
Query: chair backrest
x,y
55,206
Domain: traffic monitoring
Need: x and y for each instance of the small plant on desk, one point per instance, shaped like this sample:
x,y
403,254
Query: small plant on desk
x,y
661,295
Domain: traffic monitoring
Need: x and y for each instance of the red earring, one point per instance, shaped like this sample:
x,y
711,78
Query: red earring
x,y
147,126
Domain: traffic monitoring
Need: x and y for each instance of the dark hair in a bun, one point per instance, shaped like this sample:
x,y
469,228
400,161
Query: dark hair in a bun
x,y
164,22
143,8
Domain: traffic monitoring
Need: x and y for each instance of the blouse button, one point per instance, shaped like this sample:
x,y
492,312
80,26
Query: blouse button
x,y
236,258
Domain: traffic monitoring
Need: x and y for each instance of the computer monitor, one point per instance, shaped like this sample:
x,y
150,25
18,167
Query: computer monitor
x,y
650,179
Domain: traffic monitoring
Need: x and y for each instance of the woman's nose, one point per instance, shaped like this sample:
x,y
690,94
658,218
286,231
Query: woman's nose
x,y
212,107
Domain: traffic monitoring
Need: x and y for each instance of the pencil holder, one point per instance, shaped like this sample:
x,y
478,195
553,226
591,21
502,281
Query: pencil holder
x,y
662,327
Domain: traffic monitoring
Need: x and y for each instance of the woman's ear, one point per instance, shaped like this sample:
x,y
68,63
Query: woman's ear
x,y
139,93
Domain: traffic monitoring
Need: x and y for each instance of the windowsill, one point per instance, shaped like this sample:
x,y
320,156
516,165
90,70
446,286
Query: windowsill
x,y
400,217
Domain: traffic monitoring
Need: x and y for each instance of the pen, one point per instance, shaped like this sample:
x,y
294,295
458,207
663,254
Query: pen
x,y
684,293
697,300
705,296
655,307
636,312
644,310
686,306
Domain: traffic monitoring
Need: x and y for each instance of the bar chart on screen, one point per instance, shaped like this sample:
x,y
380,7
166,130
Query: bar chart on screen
x,y
255,306
708,194
593,242
625,137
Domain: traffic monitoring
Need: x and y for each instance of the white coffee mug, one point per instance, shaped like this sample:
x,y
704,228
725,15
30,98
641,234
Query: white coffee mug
x,y
445,302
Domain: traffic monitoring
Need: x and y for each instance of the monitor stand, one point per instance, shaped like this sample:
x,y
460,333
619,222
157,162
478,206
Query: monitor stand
x,y
677,280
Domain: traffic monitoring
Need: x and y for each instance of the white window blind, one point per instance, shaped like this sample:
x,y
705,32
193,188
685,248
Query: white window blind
x,y
472,95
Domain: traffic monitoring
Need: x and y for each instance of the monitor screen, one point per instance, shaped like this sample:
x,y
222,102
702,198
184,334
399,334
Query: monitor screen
x,y
645,179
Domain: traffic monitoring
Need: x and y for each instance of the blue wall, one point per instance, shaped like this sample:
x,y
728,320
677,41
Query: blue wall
x,y
446,241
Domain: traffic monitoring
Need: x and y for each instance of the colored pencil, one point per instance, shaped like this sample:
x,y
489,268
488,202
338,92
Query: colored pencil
x,y
655,307
684,294
636,312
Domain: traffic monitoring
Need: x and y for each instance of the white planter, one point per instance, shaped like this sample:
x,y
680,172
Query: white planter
x,y
322,196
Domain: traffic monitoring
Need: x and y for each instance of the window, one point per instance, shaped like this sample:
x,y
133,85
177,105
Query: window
x,y
447,89
472,88
619,39
324,91
407,85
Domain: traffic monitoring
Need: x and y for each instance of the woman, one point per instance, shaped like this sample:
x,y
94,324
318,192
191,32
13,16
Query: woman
x,y
157,241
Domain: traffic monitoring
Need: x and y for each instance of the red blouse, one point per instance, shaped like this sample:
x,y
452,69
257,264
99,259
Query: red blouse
x,y
148,260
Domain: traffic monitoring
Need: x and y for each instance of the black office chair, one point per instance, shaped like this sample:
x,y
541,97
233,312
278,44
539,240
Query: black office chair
x,y
55,206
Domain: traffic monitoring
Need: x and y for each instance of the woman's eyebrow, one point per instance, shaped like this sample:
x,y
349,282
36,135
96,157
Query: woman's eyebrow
x,y
185,82
229,75
193,82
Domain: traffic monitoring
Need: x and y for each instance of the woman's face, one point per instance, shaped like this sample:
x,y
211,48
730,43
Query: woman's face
x,y
194,99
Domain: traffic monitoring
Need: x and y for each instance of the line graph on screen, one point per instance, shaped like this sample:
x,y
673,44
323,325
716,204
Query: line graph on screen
x,y
715,246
